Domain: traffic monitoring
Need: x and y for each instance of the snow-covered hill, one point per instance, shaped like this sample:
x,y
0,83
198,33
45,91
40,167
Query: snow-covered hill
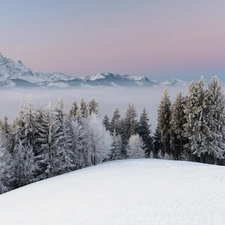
x,y
129,192
15,74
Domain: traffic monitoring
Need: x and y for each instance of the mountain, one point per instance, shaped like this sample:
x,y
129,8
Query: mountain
x,y
174,83
15,74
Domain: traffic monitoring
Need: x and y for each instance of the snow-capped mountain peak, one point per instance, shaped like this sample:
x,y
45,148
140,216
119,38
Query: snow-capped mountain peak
x,y
16,74
174,82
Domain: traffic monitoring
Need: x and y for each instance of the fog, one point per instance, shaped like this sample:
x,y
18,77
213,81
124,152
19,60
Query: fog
x,y
108,99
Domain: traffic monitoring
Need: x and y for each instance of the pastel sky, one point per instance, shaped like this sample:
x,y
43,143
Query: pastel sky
x,y
160,39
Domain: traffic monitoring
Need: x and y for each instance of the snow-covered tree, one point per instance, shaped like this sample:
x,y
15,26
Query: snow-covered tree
x,y
73,110
106,122
216,120
158,145
129,126
79,146
135,147
116,152
82,109
98,138
130,123
177,122
64,142
164,112
49,157
115,124
144,131
6,170
23,165
93,107
25,135
7,141
196,129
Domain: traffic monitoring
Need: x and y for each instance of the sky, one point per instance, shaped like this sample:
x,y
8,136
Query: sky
x,y
160,39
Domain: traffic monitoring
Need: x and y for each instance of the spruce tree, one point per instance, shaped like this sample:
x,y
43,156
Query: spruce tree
x,y
116,152
177,121
196,129
157,143
216,121
82,110
116,121
25,135
106,122
73,110
144,131
164,112
93,107
129,126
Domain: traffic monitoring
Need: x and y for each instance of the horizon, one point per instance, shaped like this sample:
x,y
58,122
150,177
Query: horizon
x,y
180,40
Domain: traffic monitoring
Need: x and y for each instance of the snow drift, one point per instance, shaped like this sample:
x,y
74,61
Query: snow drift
x,y
127,192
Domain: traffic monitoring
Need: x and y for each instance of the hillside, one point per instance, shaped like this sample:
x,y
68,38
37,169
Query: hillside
x,y
130,192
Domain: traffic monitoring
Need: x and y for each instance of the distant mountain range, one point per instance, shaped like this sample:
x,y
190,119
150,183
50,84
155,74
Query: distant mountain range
x,y
15,74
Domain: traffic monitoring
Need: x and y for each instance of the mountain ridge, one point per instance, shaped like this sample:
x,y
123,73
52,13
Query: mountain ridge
x,y
16,74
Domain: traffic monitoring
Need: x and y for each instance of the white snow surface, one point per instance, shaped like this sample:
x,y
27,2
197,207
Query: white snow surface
x,y
126,192
97,77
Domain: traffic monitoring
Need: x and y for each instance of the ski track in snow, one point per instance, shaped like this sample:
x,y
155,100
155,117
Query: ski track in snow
x,y
126,192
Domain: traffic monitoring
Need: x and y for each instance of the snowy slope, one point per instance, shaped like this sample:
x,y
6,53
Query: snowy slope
x,y
130,192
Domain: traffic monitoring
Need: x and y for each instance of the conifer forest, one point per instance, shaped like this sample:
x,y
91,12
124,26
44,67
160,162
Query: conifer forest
x,y
46,142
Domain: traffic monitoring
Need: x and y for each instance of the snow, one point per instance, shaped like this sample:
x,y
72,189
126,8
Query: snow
x,y
97,77
126,192
58,84
174,82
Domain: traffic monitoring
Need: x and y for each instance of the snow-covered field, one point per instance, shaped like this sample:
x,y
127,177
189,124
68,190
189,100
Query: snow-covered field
x,y
128,192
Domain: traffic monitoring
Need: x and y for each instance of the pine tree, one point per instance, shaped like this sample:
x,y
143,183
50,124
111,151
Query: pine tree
x,y
106,122
115,124
177,121
50,154
129,126
74,109
23,165
7,141
135,147
82,110
93,107
116,152
158,145
6,170
164,121
144,131
80,148
24,131
216,121
196,128
130,123
64,142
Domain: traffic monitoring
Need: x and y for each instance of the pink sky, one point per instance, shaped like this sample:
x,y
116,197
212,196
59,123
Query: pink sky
x,y
179,39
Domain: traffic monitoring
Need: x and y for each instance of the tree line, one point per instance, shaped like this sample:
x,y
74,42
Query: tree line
x,y
193,127
42,143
